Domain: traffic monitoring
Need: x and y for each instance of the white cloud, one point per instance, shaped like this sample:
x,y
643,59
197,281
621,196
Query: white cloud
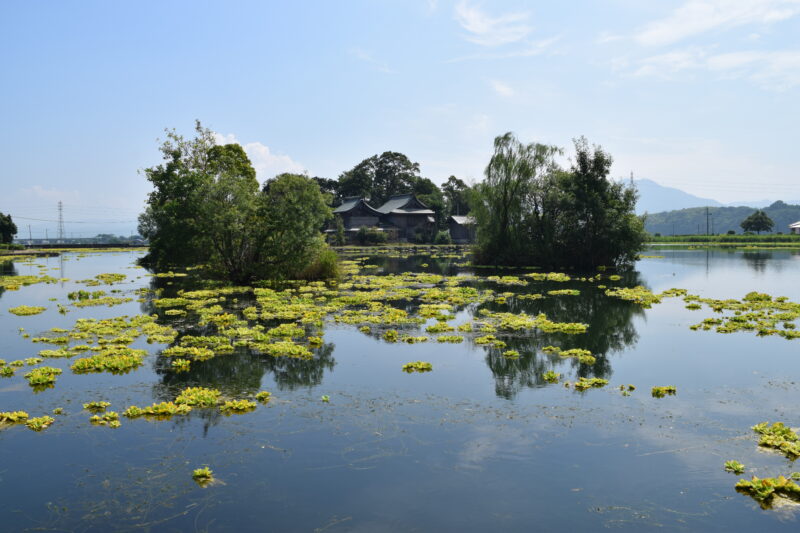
x,y
774,70
366,57
266,163
694,17
486,30
528,50
501,88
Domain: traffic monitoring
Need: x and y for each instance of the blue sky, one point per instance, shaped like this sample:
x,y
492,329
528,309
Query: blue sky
x,y
697,94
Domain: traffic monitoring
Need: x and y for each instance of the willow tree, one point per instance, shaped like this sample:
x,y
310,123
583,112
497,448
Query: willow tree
x,y
529,211
503,203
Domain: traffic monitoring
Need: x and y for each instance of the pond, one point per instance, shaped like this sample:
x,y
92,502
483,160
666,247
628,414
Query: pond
x,y
500,434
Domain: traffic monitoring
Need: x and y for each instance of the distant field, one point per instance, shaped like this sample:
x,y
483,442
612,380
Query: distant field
x,y
732,239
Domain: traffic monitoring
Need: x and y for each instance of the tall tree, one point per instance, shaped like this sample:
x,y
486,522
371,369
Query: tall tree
x,y
759,221
456,194
379,177
7,229
206,208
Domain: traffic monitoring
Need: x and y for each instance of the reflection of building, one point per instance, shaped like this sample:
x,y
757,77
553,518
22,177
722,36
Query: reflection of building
x,y
794,229
403,215
462,229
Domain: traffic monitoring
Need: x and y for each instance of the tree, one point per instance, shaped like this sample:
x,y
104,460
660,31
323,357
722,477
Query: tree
x,y
7,229
759,221
206,208
429,194
379,177
456,194
530,211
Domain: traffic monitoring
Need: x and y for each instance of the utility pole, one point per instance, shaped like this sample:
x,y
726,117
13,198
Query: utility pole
x,y
30,236
707,216
60,222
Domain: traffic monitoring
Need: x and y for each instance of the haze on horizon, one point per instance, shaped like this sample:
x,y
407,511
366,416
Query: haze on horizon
x,y
701,95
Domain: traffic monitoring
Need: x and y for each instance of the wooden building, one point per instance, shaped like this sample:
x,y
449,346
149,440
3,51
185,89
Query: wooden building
x,y
462,229
794,229
355,213
408,214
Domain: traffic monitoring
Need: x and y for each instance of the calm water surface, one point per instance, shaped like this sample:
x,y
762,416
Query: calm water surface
x,y
481,443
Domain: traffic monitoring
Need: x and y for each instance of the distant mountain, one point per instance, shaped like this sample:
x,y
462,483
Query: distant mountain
x,y
655,198
692,221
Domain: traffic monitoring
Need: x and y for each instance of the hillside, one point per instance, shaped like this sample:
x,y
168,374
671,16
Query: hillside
x,y
692,221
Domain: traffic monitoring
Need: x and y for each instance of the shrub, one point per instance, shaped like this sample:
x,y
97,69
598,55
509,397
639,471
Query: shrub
x,y
442,237
325,266
371,235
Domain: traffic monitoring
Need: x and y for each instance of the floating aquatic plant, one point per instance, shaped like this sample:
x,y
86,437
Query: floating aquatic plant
x,y
511,354
780,437
181,365
198,397
96,406
264,396
13,417
237,407
734,466
26,310
455,339
203,476
39,423
587,383
417,366
110,419
325,398
157,410
660,392
43,375
764,490
551,377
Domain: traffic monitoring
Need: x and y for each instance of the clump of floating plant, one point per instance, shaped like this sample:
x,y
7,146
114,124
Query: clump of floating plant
x,y
764,490
455,339
283,349
660,392
779,437
110,419
181,365
39,423
115,359
408,339
42,376
203,476
756,312
391,335
232,407
638,294
588,383
417,366
551,377
264,396
161,410
96,406
365,329
7,371
26,310
440,327
734,467
564,292
490,340
325,398
198,397
13,417
511,354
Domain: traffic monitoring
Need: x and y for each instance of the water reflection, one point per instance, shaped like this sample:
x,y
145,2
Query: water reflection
x,y
7,268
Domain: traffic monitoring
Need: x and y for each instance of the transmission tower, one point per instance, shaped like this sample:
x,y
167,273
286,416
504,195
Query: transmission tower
x,y
60,223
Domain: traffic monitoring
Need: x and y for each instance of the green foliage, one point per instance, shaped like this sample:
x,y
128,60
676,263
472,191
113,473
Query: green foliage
x,y
379,177
26,310
339,238
758,222
7,229
734,467
660,392
203,476
324,267
206,208
417,366
442,237
198,397
366,236
40,423
692,221
764,490
529,211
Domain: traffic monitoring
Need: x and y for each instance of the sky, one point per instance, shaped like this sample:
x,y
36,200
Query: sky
x,y
702,95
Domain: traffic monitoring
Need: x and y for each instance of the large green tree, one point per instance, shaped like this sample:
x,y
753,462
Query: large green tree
x,y
379,177
456,195
759,221
206,208
7,229
530,211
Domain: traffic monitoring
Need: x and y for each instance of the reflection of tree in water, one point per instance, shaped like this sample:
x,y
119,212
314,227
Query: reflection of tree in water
x,y
610,330
757,260
7,269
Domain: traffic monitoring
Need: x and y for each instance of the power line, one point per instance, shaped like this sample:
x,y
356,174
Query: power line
x,y
78,221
